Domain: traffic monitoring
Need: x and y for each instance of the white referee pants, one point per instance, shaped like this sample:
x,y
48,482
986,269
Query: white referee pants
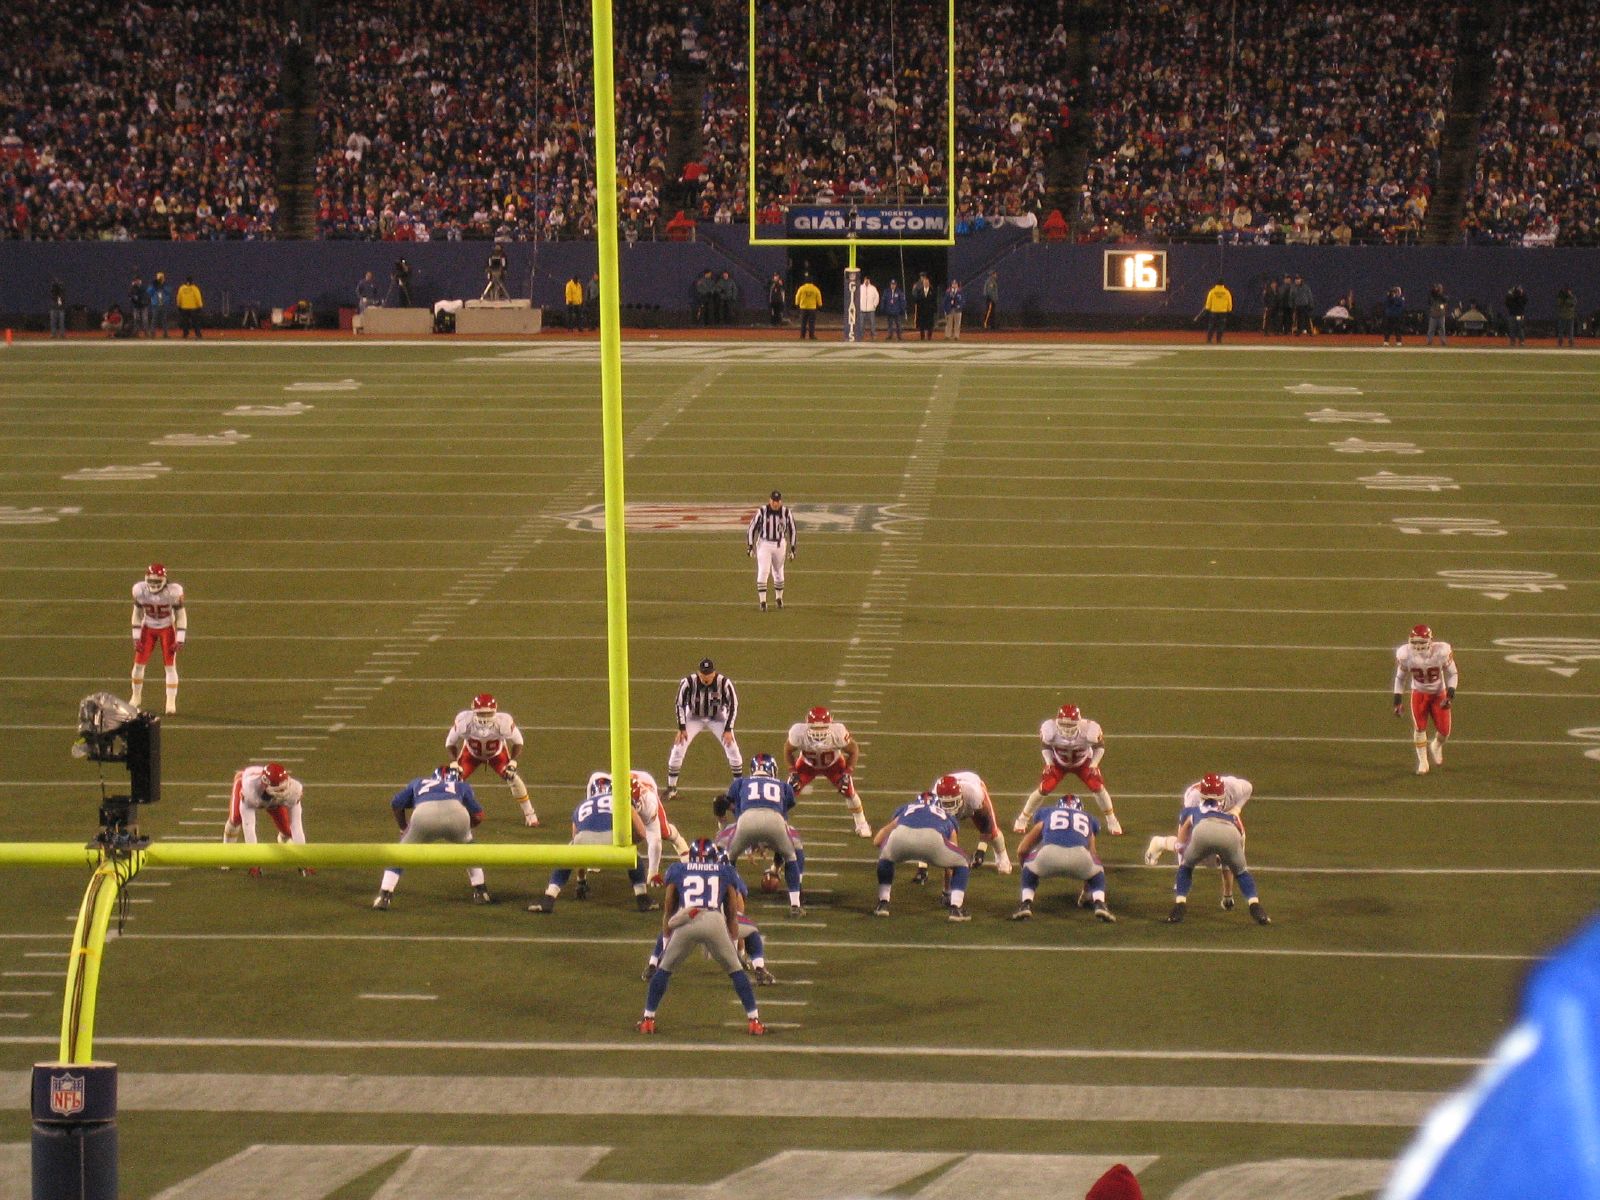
x,y
770,557
692,729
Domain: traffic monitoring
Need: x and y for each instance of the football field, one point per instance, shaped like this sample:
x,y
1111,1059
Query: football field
x,y
1213,553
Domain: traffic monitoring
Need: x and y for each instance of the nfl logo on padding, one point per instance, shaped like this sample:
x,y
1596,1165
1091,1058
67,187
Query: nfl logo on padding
x,y
66,1094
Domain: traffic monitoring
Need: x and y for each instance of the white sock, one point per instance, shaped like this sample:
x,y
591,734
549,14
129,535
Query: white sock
x,y
391,880
957,896
1027,893
1035,798
883,891
475,876
794,898
1103,799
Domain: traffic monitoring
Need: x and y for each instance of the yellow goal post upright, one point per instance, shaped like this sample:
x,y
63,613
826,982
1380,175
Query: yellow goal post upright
x,y
851,240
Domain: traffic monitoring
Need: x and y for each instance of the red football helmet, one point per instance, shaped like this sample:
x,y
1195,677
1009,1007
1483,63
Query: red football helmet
x,y
274,778
1211,787
947,785
1069,719
156,576
636,789
1421,637
819,718
484,705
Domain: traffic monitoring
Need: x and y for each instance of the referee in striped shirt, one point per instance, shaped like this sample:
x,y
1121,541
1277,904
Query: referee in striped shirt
x,y
770,541
706,700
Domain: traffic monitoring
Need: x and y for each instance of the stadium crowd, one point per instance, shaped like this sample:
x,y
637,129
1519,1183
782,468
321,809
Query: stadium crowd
x,y
1261,123
148,120
1538,171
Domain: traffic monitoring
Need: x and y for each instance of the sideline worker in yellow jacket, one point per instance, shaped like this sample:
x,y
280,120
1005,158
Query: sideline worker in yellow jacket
x,y
808,298
1219,303
190,302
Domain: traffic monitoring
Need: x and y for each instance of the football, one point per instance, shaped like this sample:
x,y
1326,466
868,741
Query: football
x,y
771,881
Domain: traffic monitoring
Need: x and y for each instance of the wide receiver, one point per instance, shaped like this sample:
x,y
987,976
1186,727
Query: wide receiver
x,y
272,790
159,618
1431,668
1070,743
484,734
819,745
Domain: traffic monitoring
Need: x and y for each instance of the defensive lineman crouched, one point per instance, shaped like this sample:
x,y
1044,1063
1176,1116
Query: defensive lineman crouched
x,y
975,804
1231,794
484,734
1431,668
819,745
704,899
1061,842
759,805
436,808
268,789
922,831
591,826
653,815
1207,832
1076,745
159,618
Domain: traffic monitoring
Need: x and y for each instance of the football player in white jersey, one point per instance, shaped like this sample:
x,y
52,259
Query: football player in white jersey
x,y
1070,743
974,804
653,813
1431,668
819,745
484,734
1228,793
272,790
159,619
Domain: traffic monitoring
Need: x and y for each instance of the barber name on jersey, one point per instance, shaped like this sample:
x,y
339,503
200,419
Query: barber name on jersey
x,y
749,792
1065,826
156,608
1425,668
819,748
485,738
1073,750
703,885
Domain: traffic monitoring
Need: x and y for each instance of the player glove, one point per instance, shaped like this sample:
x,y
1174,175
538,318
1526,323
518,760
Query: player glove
x,y
656,880
1449,697
182,634
846,782
1003,864
511,766
1397,702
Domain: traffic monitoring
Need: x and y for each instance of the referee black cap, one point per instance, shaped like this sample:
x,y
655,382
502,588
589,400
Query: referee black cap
x,y
707,666
777,495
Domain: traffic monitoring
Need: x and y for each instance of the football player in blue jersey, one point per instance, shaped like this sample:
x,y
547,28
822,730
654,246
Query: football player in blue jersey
x,y
591,826
923,831
435,808
704,899
1060,841
752,948
1213,831
759,804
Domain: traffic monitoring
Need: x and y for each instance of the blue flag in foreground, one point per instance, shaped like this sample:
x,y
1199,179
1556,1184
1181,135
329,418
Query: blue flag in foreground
x,y
1529,1126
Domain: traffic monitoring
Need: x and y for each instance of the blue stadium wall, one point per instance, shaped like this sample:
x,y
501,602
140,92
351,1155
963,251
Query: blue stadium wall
x,y
1041,283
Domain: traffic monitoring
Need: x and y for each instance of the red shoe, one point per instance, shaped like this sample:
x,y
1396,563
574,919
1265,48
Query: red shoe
x,y
255,872
307,872
648,1025
757,1029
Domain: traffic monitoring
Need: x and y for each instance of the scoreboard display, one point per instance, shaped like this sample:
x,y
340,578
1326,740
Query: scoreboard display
x,y
1136,271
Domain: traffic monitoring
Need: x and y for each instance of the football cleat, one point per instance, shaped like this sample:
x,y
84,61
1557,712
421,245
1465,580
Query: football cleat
x,y
1024,911
484,705
274,779
1069,720
544,904
1020,825
1436,752
1258,914
1084,900
797,910
650,971
818,719
1179,911
172,705
862,828
645,1025
763,766
1421,637
1152,852
764,977
921,876
255,872
780,601
1102,913
1113,826
644,904
1422,764
1227,904
383,900
480,895
957,913
307,872
755,1028
882,910
156,576
582,891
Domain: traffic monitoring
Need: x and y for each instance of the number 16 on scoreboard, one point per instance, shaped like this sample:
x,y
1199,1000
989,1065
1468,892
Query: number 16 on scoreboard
x,y
1136,271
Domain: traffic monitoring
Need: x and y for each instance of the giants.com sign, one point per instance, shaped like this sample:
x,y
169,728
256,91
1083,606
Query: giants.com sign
x,y
818,221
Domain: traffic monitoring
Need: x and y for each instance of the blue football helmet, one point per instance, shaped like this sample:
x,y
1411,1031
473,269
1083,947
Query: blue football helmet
x,y
764,766
599,785
448,773
704,850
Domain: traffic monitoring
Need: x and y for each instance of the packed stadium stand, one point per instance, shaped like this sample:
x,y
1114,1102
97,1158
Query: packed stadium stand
x,y
1258,121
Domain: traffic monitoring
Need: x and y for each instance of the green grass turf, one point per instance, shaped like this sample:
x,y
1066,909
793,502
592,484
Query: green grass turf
x,y
1165,538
